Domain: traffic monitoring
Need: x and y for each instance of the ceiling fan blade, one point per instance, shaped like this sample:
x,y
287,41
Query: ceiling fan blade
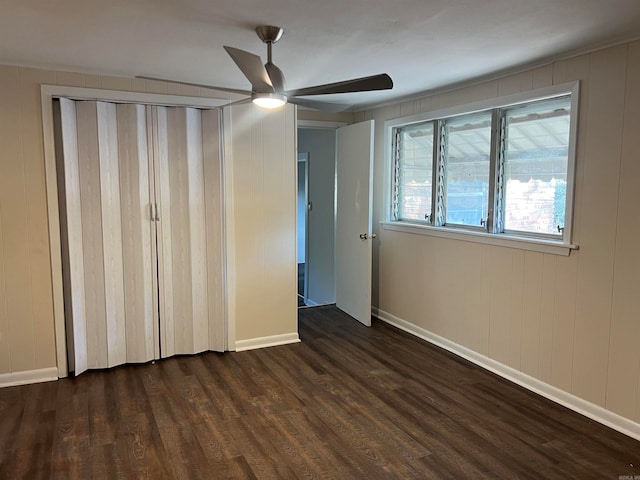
x,y
237,102
252,67
222,89
324,106
276,76
364,84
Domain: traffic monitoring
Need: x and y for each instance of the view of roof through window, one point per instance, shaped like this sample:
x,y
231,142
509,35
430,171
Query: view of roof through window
x,y
535,140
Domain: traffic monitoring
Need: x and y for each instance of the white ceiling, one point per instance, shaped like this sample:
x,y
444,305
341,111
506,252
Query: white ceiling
x,y
422,44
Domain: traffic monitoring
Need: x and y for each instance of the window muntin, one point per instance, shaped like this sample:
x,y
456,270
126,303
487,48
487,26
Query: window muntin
x,y
467,169
503,212
414,171
536,163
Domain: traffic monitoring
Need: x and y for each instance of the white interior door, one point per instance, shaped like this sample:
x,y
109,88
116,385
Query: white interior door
x,y
353,220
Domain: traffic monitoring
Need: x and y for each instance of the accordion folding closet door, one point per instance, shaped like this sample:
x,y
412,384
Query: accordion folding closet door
x,y
140,195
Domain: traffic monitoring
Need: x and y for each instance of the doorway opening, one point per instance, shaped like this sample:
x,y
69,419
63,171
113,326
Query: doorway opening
x,y
316,214
303,207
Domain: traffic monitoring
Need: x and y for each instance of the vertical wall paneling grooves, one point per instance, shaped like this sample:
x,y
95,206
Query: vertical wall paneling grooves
x,y
229,225
7,199
5,354
500,310
213,191
257,227
239,122
624,354
248,228
567,322
15,228
546,317
36,210
482,325
601,161
276,174
263,145
564,318
274,191
515,314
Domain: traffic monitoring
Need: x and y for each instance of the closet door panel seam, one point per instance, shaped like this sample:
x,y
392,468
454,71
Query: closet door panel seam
x,y
143,204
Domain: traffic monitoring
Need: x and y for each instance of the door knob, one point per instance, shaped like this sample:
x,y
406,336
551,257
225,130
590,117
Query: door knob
x,y
365,236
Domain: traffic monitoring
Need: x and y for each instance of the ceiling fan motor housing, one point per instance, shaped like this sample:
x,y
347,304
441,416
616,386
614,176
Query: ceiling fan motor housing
x,y
269,33
268,82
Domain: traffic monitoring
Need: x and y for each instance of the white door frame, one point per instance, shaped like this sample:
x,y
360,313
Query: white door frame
x,y
320,125
303,157
48,93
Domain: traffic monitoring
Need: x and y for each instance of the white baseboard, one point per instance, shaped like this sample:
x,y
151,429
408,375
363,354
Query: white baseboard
x,y
311,303
29,376
566,399
271,341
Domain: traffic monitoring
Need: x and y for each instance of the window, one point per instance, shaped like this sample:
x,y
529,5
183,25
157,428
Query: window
x,y
415,172
503,170
535,167
467,142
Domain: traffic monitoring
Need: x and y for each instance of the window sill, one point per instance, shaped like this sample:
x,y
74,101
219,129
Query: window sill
x,y
501,240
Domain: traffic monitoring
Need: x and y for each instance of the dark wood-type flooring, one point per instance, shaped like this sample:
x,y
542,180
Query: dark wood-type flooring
x,y
349,402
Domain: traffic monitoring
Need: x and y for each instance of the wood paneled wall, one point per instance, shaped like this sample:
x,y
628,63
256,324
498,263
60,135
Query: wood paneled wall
x,y
264,183
572,322
27,336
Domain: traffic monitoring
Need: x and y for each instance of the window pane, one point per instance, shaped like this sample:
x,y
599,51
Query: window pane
x,y
415,167
536,160
468,146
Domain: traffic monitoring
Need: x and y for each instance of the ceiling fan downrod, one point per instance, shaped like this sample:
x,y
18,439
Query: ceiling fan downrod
x,y
268,82
269,34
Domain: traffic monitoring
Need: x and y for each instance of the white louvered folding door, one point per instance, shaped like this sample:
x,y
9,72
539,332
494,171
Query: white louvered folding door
x,y
141,220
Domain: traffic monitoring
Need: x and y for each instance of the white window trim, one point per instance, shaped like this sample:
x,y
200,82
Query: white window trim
x,y
497,239
560,247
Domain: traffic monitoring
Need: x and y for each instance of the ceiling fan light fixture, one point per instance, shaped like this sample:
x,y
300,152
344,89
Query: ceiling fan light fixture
x,y
268,86
269,100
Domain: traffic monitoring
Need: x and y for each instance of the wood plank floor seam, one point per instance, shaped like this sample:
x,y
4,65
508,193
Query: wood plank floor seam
x,y
348,402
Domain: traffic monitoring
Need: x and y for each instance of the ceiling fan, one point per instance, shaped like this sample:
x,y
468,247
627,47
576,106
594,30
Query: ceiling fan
x,y
268,88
